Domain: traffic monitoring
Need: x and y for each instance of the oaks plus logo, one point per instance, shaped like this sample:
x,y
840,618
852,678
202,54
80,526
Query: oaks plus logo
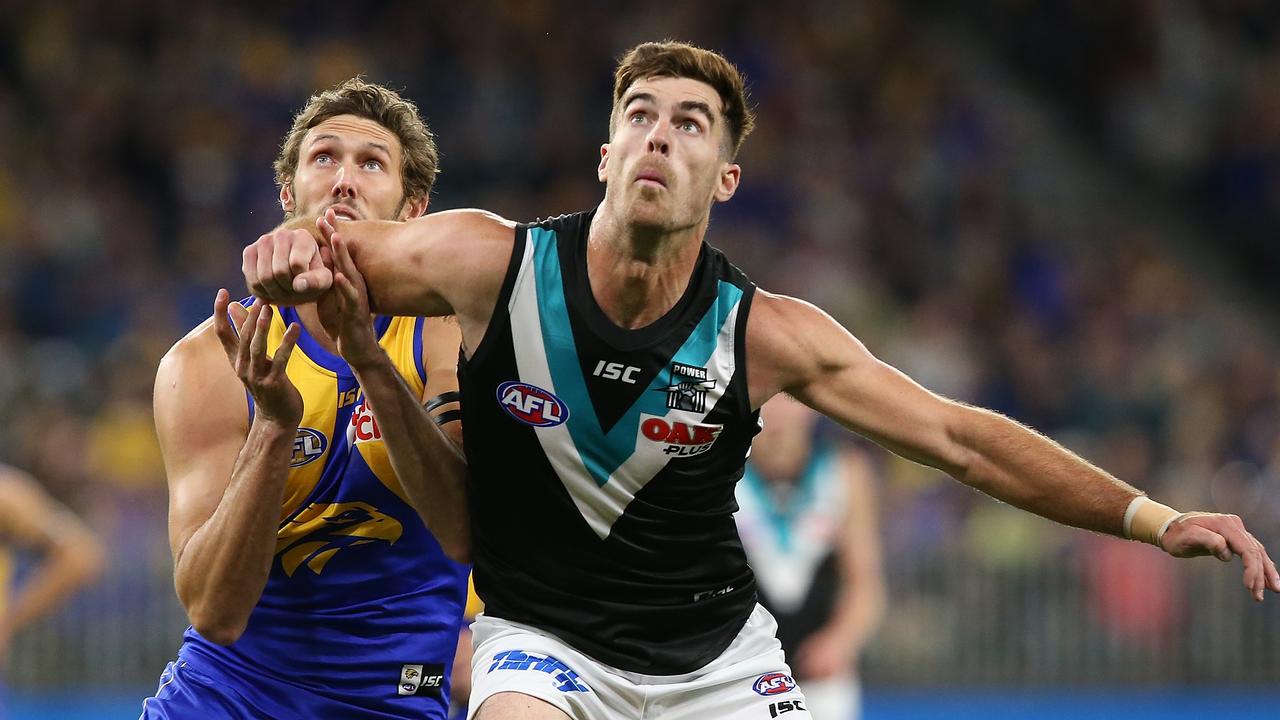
x,y
680,439
531,404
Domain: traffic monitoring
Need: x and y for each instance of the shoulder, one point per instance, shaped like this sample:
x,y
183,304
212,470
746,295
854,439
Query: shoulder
x,y
790,342
194,376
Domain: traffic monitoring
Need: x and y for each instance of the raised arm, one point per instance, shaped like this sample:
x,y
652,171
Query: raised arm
x,y
427,462
446,263
796,348
226,476
70,555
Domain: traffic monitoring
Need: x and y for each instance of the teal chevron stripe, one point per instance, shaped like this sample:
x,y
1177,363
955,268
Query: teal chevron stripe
x,y
603,453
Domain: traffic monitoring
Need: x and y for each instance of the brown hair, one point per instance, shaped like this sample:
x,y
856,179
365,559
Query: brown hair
x,y
671,58
419,162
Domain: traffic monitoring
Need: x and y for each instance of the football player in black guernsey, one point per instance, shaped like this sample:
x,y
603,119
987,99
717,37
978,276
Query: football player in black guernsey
x,y
614,365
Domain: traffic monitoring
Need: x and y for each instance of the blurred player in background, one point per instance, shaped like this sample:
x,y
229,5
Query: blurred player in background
x,y
807,518
69,555
314,588
615,364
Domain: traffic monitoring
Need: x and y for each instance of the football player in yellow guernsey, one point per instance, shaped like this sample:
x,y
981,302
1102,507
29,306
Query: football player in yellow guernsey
x,y
318,582
70,557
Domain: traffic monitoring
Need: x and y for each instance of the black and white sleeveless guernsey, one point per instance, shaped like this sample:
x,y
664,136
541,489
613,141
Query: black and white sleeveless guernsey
x,y
603,460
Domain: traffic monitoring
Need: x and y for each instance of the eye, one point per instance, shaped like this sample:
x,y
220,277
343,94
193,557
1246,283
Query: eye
x,y
323,159
372,165
690,127
638,118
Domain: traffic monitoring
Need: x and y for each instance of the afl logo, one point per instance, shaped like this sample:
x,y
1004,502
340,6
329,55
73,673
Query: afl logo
x,y
307,446
531,404
774,683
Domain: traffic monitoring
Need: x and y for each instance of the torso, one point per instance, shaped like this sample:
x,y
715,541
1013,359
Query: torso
x,y
791,531
359,588
603,460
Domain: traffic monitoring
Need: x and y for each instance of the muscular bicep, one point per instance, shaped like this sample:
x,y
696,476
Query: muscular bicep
x,y
809,355
441,338
202,418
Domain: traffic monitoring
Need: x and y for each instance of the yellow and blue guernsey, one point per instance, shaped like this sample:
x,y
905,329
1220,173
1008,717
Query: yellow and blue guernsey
x,y
361,612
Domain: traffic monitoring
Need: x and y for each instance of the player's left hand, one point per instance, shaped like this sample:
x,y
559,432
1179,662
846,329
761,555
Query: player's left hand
x,y
1198,533
823,655
344,312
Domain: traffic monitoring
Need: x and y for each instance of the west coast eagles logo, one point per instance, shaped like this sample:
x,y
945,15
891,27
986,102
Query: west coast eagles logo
x,y
688,388
321,530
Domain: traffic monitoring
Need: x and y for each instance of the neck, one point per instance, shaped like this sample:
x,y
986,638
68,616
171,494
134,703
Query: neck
x,y
638,274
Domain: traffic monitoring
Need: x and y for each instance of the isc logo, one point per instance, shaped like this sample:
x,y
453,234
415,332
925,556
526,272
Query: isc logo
x,y
616,371
681,439
531,404
308,445
785,706
774,683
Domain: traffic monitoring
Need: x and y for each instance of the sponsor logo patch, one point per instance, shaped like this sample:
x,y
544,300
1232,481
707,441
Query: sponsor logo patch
x,y
774,683
688,388
566,679
785,706
426,679
531,404
308,445
680,439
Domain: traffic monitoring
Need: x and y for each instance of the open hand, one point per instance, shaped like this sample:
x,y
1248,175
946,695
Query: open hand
x,y
274,396
1199,533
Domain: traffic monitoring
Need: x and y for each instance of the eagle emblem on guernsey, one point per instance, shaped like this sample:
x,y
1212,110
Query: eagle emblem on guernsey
x,y
322,530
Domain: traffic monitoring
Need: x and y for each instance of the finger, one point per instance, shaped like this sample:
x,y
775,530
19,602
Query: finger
x,y
249,267
258,346
302,253
281,359
291,256
246,338
268,286
1243,544
327,223
222,324
313,282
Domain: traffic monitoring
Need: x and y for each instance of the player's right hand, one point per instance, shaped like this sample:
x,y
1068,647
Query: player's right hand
x,y
287,267
1199,533
275,398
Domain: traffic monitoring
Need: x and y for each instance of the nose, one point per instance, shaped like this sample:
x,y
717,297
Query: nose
x,y
658,140
343,187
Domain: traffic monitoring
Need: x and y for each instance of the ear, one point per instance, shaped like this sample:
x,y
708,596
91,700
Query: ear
x,y
414,208
601,173
286,196
730,175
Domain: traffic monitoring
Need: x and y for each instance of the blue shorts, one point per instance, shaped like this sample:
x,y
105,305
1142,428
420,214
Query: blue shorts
x,y
185,693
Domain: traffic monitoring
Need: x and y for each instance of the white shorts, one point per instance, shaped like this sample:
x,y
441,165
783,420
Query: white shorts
x,y
750,680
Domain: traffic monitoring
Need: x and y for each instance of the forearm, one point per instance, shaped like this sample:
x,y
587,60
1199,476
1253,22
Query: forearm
x,y
223,567
1019,466
65,569
431,469
859,610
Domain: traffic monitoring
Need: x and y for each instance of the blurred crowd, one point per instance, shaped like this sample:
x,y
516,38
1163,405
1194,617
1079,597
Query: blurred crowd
x,y
136,141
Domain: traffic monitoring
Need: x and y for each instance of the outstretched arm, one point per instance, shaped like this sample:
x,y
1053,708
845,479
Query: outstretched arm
x,y
446,263
71,556
796,348
428,464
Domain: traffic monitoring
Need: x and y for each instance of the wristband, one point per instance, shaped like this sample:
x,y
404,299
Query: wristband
x,y
1147,520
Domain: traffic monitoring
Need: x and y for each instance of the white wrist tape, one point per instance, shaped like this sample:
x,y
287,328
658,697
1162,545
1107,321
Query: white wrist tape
x,y
1147,520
